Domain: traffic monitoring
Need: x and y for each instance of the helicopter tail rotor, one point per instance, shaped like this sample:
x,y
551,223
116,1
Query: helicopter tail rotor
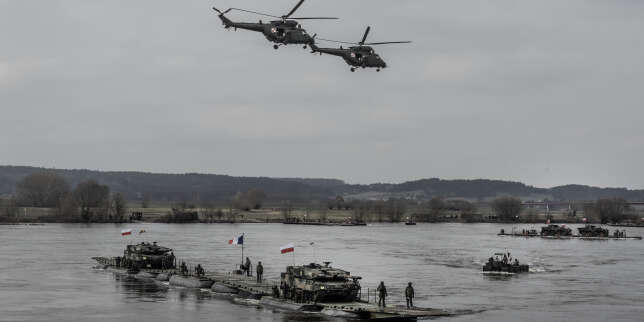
x,y
227,22
221,13
314,48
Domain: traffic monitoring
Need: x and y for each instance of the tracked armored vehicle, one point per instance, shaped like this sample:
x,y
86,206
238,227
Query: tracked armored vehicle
x,y
592,231
319,283
556,230
141,256
150,256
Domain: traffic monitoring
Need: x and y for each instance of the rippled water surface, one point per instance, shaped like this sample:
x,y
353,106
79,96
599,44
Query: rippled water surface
x,y
46,271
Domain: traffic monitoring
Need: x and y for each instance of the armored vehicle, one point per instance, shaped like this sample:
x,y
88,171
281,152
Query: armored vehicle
x,y
146,255
506,265
592,231
556,230
317,283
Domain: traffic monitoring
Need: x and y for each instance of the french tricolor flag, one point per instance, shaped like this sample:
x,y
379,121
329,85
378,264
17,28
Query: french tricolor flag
x,y
237,240
126,232
288,248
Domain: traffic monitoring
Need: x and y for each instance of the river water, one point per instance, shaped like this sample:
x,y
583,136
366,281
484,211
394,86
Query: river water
x,y
46,272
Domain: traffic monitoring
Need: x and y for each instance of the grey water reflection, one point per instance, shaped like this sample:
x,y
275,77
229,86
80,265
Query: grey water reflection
x,y
46,272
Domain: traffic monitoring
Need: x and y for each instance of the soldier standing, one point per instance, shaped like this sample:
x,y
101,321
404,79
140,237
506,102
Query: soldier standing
x,y
382,294
247,266
409,295
260,272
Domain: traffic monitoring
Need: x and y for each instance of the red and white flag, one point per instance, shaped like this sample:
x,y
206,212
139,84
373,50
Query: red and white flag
x,y
548,222
288,248
126,232
584,220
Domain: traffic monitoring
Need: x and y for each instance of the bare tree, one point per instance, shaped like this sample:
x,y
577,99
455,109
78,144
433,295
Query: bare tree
x,y
436,205
8,209
611,210
339,203
67,210
360,210
252,199
210,211
507,208
118,207
286,210
379,210
145,202
395,209
90,194
45,189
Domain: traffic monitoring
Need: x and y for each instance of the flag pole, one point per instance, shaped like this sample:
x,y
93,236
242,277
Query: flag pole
x,y
242,257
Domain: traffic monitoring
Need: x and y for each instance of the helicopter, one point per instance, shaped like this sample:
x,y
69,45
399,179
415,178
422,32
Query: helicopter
x,y
285,31
362,55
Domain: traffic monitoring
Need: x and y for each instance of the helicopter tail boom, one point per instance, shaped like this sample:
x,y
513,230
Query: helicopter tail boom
x,y
238,25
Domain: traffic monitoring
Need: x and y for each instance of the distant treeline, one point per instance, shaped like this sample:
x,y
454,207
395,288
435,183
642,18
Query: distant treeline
x,y
93,201
140,186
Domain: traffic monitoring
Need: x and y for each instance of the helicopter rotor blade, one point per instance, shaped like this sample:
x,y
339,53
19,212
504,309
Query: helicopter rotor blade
x,y
315,18
255,12
297,6
366,33
337,41
387,42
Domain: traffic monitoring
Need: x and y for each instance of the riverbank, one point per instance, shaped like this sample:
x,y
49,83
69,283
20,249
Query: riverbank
x,y
299,216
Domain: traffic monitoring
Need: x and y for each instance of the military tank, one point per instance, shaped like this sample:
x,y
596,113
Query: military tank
x,y
319,283
556,230
141,256
506,265
150,256
592,231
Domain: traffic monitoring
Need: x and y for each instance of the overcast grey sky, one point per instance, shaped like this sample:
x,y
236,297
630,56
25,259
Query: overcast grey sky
x,y
545,92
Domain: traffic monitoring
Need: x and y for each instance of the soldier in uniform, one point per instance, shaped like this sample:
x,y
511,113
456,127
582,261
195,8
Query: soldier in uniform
x,y
382,294
260,272
409,295
247,266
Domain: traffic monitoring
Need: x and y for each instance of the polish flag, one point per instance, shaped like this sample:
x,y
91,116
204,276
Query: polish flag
x,y
126,232
237,240
548,222
288,248
584,220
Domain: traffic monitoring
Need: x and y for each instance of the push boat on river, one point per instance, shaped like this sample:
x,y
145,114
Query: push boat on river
x,y
505,265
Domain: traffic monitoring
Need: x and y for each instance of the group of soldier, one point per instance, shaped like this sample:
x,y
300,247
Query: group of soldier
x,y
247,269
382,294
199,271
507,260
619,234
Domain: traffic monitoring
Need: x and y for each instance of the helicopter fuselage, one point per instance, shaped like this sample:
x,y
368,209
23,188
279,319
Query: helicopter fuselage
x,y
358,56
279,31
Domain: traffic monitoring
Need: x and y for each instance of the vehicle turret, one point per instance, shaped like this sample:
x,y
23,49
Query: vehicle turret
x,y
319,283
146,255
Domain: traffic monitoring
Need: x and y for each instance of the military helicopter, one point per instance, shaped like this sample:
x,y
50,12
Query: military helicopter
x,y
282,32
361,55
